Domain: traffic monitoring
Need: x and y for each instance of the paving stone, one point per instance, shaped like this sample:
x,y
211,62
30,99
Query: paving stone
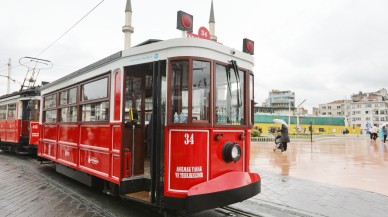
x,y
23,193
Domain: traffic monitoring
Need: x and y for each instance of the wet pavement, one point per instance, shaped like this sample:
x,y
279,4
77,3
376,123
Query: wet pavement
x,y
330,177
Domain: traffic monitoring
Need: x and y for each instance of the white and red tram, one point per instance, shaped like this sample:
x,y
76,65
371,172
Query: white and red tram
x,y
166,122
19,126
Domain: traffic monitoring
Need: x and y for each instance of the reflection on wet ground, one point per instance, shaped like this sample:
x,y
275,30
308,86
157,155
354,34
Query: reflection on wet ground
x,y
346,162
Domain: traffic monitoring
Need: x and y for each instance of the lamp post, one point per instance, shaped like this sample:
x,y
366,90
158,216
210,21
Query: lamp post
x,y
297,114
289,112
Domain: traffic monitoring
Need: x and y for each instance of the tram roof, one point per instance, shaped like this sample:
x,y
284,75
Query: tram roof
x,y
32,91
154,45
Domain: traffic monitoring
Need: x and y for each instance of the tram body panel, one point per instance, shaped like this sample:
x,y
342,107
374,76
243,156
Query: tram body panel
x,y
17,111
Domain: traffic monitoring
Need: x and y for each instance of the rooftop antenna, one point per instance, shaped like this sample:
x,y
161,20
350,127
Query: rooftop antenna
x,y
34,65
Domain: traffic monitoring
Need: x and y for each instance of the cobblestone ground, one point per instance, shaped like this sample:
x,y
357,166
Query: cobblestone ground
x,y
318,199
24,193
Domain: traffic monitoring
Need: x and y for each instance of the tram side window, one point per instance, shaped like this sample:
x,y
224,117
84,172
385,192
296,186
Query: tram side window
x,y
50,109
97,92
201,91
66,98
95,111
180,91
50,101
11,111
229,96
3,112
69,114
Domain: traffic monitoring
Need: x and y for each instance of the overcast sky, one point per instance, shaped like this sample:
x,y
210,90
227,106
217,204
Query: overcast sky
x,y
323,50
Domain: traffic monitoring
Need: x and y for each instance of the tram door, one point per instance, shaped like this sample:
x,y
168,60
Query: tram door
x,y
140,127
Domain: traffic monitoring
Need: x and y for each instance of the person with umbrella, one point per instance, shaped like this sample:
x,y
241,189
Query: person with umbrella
x,y
284,139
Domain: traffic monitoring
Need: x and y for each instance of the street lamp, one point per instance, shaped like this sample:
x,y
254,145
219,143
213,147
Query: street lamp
x,y
297,114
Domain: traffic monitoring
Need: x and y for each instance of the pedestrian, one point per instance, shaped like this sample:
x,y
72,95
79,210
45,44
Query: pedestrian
x,y
385,133
373,132
284,139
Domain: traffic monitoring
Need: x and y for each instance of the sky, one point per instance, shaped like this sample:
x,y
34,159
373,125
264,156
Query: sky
x,y
323,50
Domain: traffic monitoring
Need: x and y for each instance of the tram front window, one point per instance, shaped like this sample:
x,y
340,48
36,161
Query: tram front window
x,y
201,91
229,96
180,91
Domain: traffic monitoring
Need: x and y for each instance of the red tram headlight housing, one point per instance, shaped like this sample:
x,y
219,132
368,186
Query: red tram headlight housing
x,y
231,152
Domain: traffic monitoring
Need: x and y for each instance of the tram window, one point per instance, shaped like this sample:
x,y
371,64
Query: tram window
x,y
50,101
95,111
11,111
33,106
68,114
201,91
3,112
133,98
68,96
50,116
229,96
179,91
95,90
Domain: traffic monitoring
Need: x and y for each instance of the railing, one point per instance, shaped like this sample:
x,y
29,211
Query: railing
x,y
271,138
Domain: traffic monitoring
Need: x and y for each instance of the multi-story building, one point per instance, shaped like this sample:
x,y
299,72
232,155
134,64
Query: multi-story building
x,y
362,110
278,102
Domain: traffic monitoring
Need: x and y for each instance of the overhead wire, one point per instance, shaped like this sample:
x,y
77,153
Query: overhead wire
x,y
75,24
67,31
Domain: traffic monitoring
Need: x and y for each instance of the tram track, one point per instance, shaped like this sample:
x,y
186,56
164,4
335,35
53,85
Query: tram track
x,y
230,211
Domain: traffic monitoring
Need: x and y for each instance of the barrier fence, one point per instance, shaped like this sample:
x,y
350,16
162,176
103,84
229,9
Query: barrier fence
x,y
271,137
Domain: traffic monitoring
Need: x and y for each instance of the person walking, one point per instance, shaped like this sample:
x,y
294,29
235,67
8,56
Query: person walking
x,y
385,133
373,132
284,139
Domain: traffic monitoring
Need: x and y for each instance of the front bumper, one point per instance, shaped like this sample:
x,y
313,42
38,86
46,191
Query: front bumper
x,y
226,189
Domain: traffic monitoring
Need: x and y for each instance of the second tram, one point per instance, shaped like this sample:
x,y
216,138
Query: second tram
x,y
19,121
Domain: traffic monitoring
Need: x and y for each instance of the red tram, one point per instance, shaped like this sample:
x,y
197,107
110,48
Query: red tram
x,y
19,121
166,123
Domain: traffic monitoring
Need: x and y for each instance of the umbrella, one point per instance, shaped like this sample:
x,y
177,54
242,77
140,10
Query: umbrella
x,y
279,121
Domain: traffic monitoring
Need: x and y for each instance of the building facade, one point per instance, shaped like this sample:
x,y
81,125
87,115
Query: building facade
x,y
362,110
278,102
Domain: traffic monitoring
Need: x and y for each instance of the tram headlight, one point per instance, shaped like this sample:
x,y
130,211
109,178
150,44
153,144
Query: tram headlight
x,y
231,152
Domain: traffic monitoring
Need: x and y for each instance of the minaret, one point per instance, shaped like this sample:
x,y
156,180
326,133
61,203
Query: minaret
x,y
128,29
212,25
